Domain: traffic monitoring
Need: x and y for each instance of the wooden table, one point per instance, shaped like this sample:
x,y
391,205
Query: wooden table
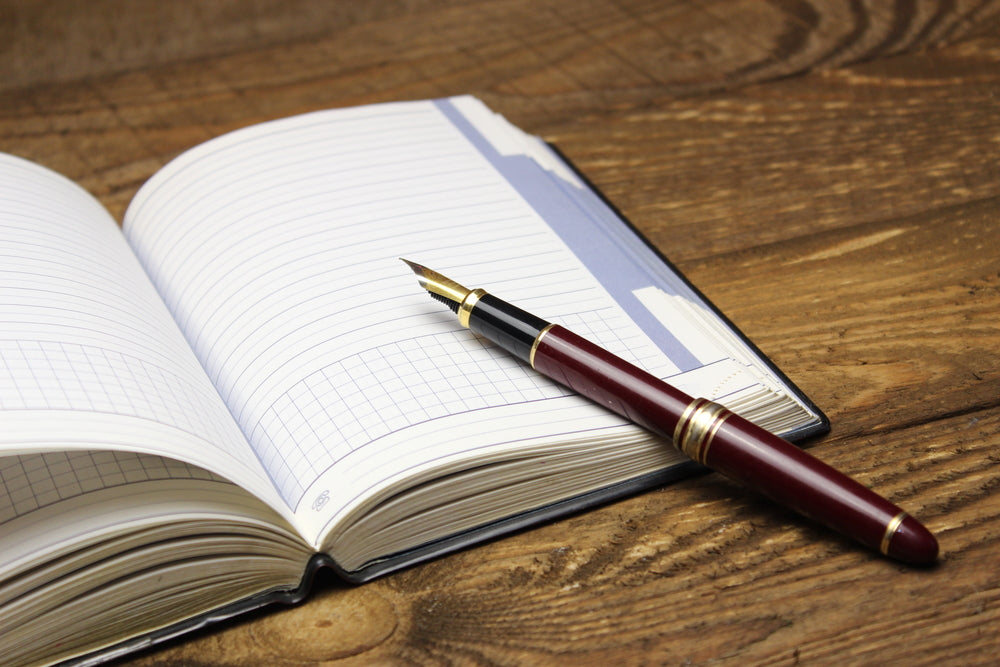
x,y
824,170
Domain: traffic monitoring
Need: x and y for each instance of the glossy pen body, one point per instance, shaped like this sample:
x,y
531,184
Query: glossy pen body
x,y
702,429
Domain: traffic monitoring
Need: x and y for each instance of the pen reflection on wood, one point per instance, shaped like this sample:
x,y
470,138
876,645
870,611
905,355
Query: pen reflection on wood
x,y
705,431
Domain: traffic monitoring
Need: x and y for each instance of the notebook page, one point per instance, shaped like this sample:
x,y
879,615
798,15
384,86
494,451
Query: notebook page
x,y
276,249
89,356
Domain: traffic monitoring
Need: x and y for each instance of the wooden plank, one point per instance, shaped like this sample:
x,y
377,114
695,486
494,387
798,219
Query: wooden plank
x,y
866,143
885,324
689,46
854,143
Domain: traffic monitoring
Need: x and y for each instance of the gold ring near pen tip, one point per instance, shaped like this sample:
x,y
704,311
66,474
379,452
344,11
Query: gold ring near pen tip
x,y
467,304
890,531
534,344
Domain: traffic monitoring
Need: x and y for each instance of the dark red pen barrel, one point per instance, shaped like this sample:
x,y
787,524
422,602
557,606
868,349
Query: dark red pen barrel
x,y
609,380
761,460
733,446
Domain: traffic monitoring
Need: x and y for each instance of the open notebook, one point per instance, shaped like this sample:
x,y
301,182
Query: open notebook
x,y
246,385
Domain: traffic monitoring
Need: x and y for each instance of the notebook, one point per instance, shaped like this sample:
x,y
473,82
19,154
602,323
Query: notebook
x,y
242,384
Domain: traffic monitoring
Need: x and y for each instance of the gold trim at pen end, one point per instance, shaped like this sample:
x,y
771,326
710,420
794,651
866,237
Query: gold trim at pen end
x,y
890,531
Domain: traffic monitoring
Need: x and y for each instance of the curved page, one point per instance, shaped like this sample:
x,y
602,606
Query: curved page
x,y
89,356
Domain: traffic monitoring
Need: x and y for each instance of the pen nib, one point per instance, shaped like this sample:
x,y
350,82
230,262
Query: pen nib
x,y
438,286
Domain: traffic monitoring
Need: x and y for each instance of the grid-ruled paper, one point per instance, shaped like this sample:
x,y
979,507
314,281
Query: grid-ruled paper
x,y
277,248
65,376
33,481
340,408
89,355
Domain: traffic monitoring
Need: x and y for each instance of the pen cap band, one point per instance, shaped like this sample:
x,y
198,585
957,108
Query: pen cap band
x,y
697,427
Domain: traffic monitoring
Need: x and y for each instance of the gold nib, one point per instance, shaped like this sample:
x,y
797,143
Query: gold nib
x,y
435,283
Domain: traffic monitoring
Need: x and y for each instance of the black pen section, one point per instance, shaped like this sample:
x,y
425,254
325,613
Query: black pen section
x,y
508,326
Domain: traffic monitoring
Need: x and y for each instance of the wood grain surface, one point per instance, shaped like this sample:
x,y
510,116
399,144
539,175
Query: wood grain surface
x,y
826,171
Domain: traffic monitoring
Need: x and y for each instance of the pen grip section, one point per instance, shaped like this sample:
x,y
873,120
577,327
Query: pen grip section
x,y
506,325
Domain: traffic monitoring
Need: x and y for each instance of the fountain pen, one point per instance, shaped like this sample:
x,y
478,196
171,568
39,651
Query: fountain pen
x,y
702,429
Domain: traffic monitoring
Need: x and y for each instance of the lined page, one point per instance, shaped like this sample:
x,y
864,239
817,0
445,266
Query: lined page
x,y
89,355
276,249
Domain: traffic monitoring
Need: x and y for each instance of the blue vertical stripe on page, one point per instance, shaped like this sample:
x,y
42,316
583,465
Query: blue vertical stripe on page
x,y
620,270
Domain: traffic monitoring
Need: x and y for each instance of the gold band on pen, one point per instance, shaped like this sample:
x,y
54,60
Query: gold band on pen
x,y
890,530
685,417
468,303
534,345
697,427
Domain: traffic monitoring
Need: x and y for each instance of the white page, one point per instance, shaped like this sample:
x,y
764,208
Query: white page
x,y
276,248
89,356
